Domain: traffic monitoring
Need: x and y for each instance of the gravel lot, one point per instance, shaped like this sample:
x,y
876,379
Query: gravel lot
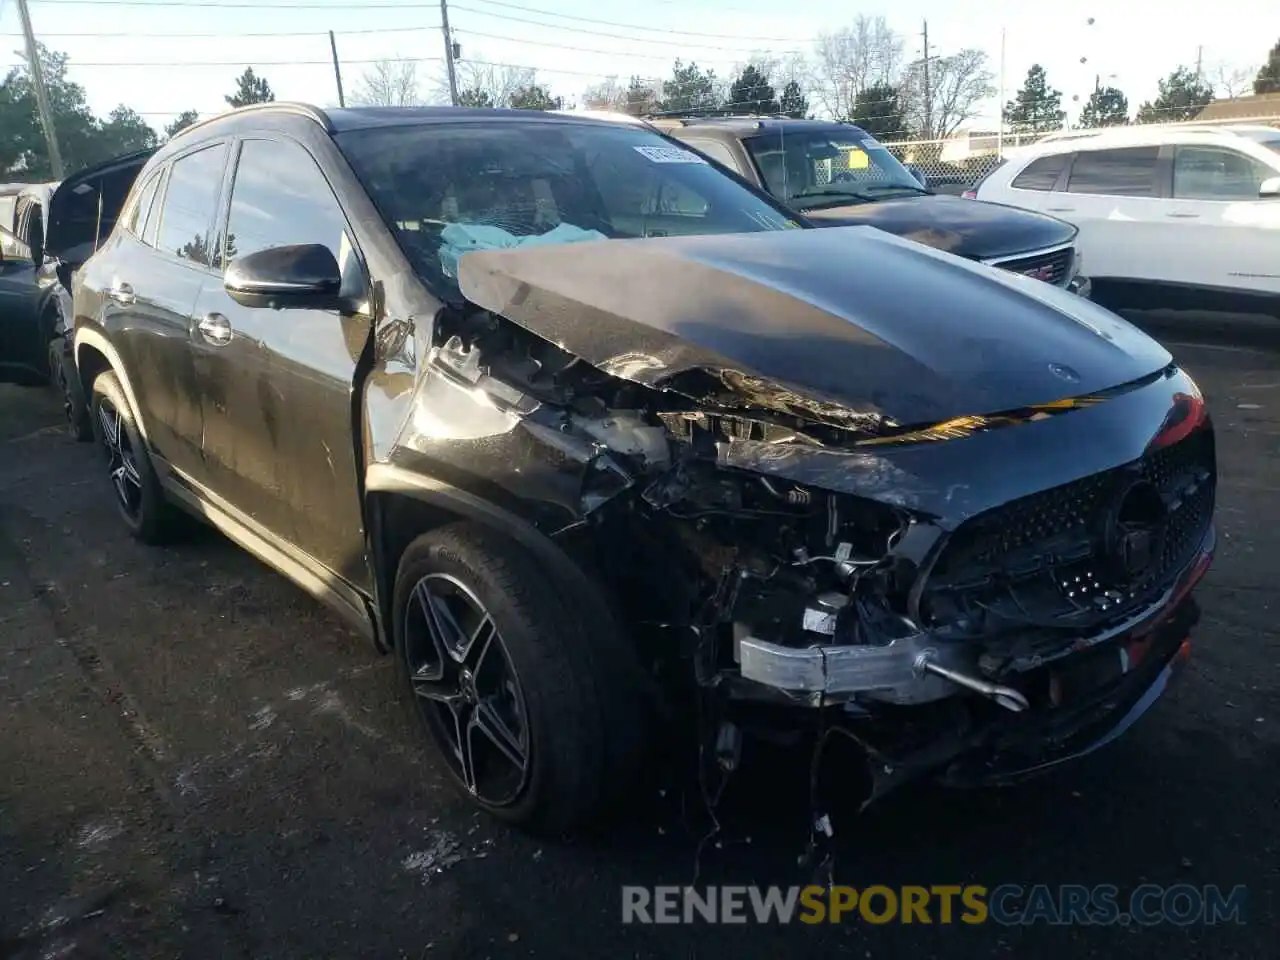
x,y
197,760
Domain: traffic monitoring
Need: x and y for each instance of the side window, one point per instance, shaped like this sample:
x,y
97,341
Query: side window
x,y
151,226
1042,173
716,151
1127,172
1213,173
279,198
189,203
142,205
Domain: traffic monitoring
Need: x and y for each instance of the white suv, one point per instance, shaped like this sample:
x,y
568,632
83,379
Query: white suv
x,y
1196,208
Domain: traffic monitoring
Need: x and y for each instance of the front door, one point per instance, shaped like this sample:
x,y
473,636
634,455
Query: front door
x,y
276,385
1230,235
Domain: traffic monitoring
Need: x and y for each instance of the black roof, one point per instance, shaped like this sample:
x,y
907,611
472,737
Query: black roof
x,y
337,120
747,126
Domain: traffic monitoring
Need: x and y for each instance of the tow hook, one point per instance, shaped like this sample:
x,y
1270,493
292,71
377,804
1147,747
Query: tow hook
x,y
1007,697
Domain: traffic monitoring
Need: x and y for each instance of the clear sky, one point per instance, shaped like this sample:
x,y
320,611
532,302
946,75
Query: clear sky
x,y
196,48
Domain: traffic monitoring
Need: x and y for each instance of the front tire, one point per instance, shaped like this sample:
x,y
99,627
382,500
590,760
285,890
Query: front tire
x,y
138,494
511,679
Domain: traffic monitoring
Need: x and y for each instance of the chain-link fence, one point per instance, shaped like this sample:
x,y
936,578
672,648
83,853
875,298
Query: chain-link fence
x,y
958,162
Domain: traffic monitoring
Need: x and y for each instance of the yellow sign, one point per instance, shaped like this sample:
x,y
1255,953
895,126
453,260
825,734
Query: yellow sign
x,y
858,159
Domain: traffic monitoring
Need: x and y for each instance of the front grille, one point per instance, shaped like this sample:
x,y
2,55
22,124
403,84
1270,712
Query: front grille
x,y
1052,267
1069,558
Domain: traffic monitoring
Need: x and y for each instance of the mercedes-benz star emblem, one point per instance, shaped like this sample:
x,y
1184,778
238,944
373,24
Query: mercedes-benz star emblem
x,y
1063,372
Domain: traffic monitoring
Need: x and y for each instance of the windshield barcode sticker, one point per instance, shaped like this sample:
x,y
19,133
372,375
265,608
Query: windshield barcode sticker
x,y
669,155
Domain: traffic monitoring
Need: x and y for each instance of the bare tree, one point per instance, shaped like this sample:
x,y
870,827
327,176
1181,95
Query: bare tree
x,y
849,60
957,85
1230,82
488,84
607,95
388,83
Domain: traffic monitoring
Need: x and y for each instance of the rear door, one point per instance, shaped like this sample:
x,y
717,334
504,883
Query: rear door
x,y
148,277
1117,197
276,385
1231,234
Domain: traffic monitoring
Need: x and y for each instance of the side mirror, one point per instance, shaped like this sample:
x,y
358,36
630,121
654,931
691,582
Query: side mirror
x,y
1270,187
303,276
918,174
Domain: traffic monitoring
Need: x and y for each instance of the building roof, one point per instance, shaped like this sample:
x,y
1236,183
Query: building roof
x,y
1264,106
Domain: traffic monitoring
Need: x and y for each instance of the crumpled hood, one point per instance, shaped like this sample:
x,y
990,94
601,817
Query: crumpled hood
x,y
836,324
967,228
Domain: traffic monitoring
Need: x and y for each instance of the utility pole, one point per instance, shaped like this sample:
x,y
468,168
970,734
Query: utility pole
x,y
337,69
42,95
448,52
1000,126
928,95
1199,58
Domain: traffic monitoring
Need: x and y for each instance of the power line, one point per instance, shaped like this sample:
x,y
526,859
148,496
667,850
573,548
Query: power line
x,y
383,5
635,26
239,4
126,34
665,42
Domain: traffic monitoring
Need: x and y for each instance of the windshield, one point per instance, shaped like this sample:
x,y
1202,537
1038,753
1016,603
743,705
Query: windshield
x,y
813,168
446,188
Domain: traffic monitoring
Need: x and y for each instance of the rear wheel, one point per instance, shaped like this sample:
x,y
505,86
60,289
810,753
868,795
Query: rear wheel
x,y
510,680
139,496
65,380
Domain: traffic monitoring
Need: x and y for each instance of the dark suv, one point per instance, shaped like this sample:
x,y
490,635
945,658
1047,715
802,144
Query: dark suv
x,y
837,174
591,435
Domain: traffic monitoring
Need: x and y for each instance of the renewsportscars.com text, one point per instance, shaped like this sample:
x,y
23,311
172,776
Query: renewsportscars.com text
x,y
1007,904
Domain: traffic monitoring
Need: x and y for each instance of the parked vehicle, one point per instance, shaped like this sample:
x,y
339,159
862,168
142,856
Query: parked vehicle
x,y
29,311
1184,215
586,431
35,298
836,174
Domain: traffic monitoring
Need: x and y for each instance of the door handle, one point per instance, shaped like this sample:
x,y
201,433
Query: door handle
x,y
1183,216
121,292
1061,209
215,328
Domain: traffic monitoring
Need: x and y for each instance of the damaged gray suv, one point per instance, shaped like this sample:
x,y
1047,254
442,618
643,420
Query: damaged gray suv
x,y
587,433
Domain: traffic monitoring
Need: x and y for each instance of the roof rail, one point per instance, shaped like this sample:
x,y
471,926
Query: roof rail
x,y
1137,129
296,108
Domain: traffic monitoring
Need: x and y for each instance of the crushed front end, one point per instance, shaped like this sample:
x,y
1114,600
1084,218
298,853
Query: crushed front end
x,y
1028,634
971,596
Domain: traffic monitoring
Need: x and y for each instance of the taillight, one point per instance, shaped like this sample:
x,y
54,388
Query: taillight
x,y
970,194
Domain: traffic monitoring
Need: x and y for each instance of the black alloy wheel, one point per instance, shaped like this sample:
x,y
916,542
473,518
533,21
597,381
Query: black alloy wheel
x,y
467,690
122,464
138,493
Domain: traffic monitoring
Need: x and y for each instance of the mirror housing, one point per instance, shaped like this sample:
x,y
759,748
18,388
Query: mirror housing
x,y
1269,187
918,174
299,276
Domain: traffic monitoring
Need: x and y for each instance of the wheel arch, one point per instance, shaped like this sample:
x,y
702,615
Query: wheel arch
x,y
94,354
401,505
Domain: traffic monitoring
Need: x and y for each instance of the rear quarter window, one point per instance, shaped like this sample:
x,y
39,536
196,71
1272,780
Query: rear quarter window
x,y
1041,173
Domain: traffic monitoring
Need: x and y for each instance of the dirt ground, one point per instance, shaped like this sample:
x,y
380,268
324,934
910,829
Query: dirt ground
x,y
196,760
